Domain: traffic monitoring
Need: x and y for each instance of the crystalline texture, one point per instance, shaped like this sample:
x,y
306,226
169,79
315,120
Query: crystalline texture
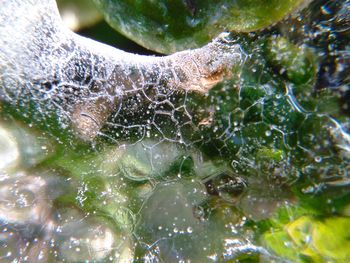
x,y
44,64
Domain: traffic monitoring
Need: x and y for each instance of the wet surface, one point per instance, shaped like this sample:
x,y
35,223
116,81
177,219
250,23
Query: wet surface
x,y
257,170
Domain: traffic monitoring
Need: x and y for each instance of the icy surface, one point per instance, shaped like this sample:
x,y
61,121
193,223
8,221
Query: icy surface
x,y
222,153
82,81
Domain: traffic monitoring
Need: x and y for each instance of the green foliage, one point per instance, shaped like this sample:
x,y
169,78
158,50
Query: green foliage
x,y
168,26
312,239
296,63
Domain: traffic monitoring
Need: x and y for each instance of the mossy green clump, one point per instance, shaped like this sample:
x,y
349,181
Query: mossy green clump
x,y
275,155
296,63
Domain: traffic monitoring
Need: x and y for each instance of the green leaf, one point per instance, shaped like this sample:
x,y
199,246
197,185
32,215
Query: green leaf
x,y
168,26
309,238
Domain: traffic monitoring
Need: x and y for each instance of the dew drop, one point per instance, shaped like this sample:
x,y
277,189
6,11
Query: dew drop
x,y
41,255
189,230
318,159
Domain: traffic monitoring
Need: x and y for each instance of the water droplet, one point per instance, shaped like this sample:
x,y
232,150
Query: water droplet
x,y
41,255
325,10
268,133
318,159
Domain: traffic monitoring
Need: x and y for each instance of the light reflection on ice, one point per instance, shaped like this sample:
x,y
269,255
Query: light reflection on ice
x,y
9,153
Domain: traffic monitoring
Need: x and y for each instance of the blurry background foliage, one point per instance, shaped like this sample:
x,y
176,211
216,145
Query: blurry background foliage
x,y
257,170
